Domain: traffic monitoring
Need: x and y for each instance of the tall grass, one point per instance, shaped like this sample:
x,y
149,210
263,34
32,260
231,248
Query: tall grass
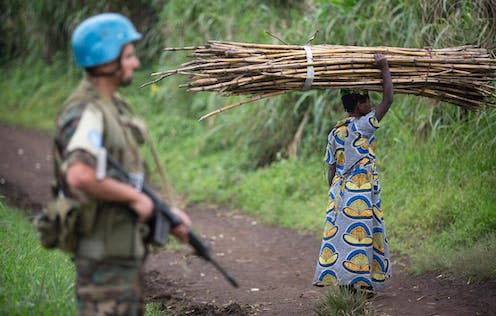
x,y
33,92
440,191
42,29
419,24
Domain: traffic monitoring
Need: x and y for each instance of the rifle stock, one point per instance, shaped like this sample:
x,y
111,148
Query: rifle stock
x,y
164,219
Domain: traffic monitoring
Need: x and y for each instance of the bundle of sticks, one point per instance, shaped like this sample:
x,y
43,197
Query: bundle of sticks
x,y
459,75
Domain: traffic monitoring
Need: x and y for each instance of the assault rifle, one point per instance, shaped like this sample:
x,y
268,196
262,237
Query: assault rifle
x,y
163,219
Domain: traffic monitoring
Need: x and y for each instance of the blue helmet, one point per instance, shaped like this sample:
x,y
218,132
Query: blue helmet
x,y
99,40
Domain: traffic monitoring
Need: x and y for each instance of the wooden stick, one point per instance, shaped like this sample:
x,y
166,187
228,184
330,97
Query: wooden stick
x,y
461,75
232,106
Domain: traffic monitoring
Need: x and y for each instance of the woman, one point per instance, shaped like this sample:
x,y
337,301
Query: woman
x,y
354,251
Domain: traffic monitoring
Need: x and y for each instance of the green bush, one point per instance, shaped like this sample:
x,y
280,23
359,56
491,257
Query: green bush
x,y
34,29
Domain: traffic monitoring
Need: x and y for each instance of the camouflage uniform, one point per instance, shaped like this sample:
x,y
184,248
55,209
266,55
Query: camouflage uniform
x,y
110,248
108,287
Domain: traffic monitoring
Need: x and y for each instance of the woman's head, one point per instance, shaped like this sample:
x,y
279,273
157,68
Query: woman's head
x,y
356,101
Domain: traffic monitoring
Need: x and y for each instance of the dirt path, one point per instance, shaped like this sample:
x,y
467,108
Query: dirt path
x,y
274,266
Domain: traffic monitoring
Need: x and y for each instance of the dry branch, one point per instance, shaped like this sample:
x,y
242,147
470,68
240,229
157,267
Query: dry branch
x,y
462,75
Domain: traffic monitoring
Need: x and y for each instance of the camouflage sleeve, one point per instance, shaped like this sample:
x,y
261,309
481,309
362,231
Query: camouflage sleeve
x,y
80,134
79,156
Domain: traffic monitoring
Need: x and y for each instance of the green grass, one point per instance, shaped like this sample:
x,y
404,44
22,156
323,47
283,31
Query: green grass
x,y
342,302
155,309
283,194
439,193
36,101
33,281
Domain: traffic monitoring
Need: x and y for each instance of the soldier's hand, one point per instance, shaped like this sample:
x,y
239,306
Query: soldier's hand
x,y
181,231
143,206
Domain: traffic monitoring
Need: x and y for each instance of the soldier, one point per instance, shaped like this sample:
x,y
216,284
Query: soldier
x,y
110,247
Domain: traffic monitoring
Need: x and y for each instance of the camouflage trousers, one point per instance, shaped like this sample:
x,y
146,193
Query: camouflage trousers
x,y
109,287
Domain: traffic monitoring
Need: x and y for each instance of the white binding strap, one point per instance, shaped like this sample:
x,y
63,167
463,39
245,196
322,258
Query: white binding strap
x,y
310,71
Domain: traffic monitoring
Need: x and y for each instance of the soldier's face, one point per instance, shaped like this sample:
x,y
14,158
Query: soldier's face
x,y
129,63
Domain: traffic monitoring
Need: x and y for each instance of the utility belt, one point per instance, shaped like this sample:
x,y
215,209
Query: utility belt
x,y
115,233
92,230
57,224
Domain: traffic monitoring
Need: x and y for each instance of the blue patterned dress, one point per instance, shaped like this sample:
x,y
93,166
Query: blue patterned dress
x,y
354,249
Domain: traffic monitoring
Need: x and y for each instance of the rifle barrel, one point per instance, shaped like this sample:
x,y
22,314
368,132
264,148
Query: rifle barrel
x,y
224,273
201,249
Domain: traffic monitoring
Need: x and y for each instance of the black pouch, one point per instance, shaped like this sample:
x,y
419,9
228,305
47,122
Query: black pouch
x,y
57,224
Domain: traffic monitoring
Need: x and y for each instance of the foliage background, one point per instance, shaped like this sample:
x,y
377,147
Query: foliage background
x,y
436,161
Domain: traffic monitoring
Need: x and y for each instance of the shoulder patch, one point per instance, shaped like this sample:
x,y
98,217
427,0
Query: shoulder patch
x,y
95,137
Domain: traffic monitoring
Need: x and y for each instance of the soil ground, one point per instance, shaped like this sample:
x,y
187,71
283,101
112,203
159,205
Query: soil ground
x,y
274,266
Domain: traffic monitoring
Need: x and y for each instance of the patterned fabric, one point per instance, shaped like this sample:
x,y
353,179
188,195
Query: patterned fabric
x,y
354,249
108,288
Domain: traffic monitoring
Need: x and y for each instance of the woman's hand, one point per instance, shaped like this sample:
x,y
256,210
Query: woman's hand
x,y
381,60
387,86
